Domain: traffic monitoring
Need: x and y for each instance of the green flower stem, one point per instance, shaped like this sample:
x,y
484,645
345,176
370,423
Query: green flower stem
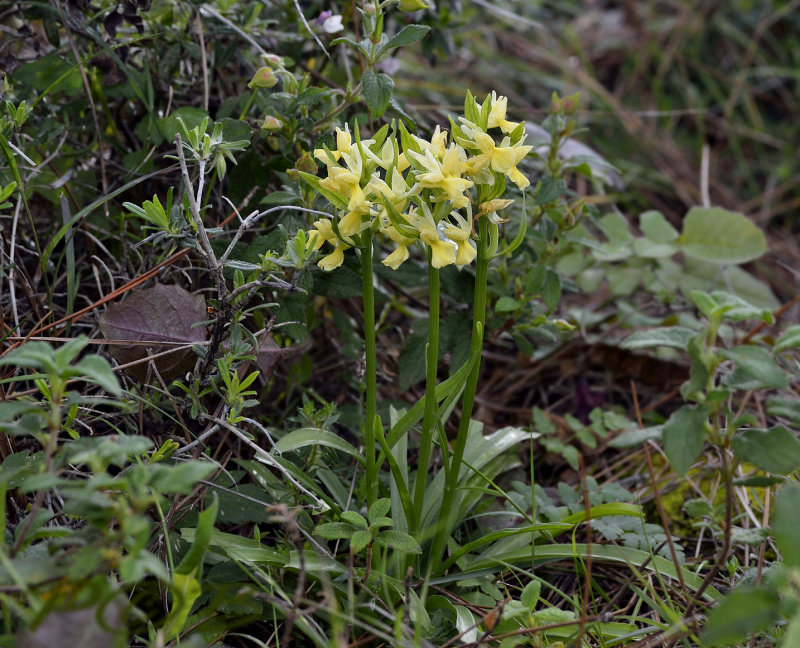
x,y
448,513
429,414
370,370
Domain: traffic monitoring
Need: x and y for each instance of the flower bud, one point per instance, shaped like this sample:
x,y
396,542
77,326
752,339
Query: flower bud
x,y
271,123
412,5
263,78
567,105
306,163
272,59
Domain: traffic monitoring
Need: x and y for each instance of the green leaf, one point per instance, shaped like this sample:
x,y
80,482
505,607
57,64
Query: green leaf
x,y
745,611
192,562
550,189
359,540
647,249
97,370
178,478
791,636
335,530
315,436
684,434
379,508
398,540
506,304
657,228
788,408
351,517
546,553
631,438
409,34
676,337
776,450
615,227
733,308
377,91
551,290
721,236
758,364
785,526
789,339
185,590
530,595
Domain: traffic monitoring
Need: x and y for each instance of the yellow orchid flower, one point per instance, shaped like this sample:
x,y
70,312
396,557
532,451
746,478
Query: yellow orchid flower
x,y
344,145
497,114
396,258
445,175
322,233
386,157
460,235
436,145
443,252
347,183
334,259
503,158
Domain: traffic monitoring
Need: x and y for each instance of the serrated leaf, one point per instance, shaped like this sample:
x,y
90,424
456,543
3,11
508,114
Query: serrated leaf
x,y
156,315
398,540
676,337
721,236
684,434
351,517
379,508
409,34
550,189
377,91
334,530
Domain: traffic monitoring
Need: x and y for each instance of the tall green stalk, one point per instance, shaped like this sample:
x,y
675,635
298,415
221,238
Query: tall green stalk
x,y
370,379
447,513
429,414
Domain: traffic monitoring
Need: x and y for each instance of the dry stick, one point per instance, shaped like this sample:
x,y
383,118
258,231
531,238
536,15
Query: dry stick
x,y
657,497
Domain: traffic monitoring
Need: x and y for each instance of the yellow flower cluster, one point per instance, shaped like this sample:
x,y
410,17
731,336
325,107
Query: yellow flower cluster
x,y
413,189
